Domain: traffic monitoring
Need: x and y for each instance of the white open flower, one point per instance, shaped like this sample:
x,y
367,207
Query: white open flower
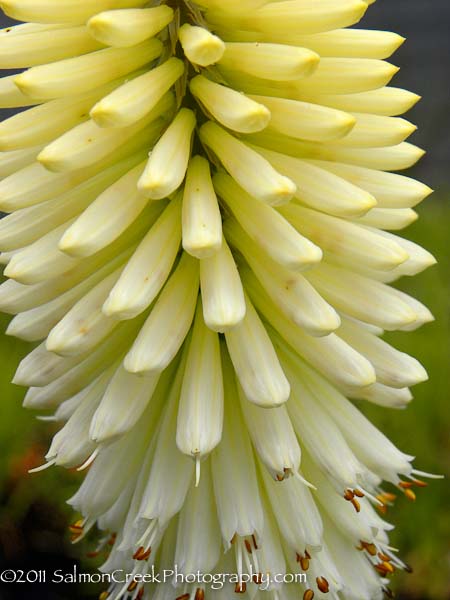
x,y
202,237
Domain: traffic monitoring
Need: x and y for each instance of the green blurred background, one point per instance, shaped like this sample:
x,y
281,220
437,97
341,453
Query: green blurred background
x,y
33,514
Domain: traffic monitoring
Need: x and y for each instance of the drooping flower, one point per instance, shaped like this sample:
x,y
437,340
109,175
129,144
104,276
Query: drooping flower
x,y
202,203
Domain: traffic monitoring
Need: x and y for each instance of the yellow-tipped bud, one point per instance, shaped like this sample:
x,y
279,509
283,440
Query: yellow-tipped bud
x,y
128,27
167,165
229,107
200,46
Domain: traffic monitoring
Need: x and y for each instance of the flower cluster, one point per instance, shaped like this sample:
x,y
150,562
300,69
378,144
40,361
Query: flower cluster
x,y
202,205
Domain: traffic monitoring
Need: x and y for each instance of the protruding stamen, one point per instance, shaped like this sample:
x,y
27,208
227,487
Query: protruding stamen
x,y
427,475
89,461
384,557
43,467
76,529
389,568
420,483
133,585
183,597
304,481
104,595
358,493
369,547
197,470
140,593
240,588
308,595
304,563
356,505
323,585
406,485
410,495
138,553
349,495
199,594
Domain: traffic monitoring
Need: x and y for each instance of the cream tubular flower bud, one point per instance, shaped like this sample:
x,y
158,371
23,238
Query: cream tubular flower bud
x,y
319,189
17,160
200,412
345,240
82,374
168,161
40,47
394,368
297,16
164,496
391,219
67,77
28,224
84,325
386,101
36,323
347,76
306,121
201,218
71,446
200,46
229,107
198,545
89,143
329,354
165,329
107,217
349,43
34,184
47,121
247,167
388,158
273,437
114,417
284,498
222,293
235,481
272,232
362,298
148,268
41,367
11,96
270,61
40,260
290,291
232,5
128,27
134,99
375,131
319,433
255,361
61,11
419,258
376,451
